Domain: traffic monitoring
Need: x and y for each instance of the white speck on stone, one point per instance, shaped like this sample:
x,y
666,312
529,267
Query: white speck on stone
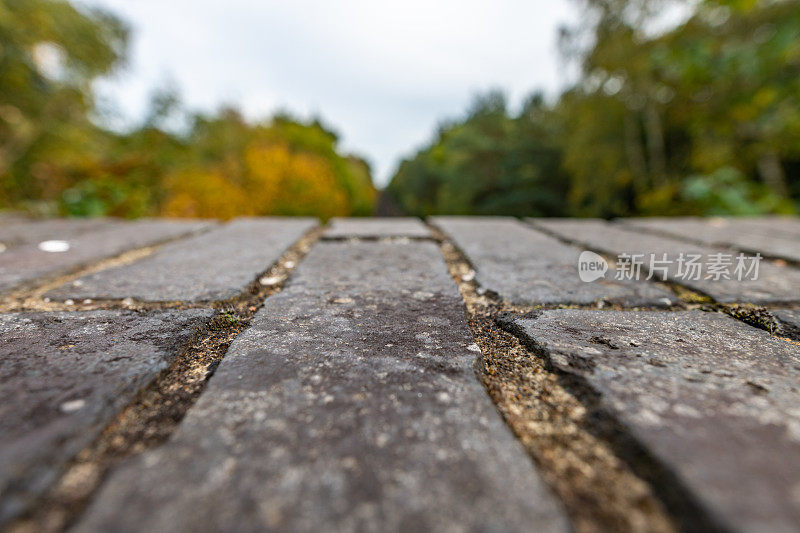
x,y
54,246
270,280
343,300
72,405
316,379
69,302
381,440
469,276
289,264
443,397
686,410
77,283
648,417
47,300
474,348
87,301
127,301
327,399
665,301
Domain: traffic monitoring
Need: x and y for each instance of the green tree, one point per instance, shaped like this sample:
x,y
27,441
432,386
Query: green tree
x,y
490,163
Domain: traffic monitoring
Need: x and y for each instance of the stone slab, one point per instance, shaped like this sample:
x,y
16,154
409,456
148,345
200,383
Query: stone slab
x,y
776,283
713,400
785,225
27,263
525,266
212,266
350,404
63,377
376,228
36,231
731,233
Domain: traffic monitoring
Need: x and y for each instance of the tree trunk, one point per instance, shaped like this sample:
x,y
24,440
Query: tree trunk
x,y
634,152
771,171
655,145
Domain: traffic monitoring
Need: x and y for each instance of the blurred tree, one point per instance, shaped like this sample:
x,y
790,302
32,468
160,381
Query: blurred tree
x,y
54,155
490,163
50,52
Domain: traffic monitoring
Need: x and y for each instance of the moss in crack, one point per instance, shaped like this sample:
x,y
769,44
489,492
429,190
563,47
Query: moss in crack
x,y
160,406
758,317
225,320
598,489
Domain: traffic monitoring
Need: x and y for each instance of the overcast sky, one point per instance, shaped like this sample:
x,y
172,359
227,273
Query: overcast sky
x,y
383,74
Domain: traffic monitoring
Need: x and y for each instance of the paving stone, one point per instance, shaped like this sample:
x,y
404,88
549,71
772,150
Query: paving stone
x,y
776,283
712,399
785,225
63,377
350,404
525,266
12,217
727,232
375,228
213,266
36,231
26,263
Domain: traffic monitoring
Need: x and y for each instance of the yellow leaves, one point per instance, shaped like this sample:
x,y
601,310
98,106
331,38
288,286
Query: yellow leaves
x,y
283,182
204,193
275,181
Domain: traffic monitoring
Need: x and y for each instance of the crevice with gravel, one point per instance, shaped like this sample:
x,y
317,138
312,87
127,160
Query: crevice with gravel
x,y
160,406
599,489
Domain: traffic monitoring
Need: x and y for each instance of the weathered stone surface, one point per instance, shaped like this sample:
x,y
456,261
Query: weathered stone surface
x,y
26,263
776,283
12,217
375,228
36,231
349,405
784,225
525,266
213,266
789,320
714,400
63,377
728,232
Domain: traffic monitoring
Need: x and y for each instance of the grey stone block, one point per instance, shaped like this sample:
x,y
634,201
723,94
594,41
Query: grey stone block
x,y
525,266
728,232
213,266
375,228
63,377
775,284
712,399
350,404
27,263
36,231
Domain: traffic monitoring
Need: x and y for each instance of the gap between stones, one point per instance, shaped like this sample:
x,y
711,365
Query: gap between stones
x,y
598,489
753,315
606,480
652,231
160,406
30,296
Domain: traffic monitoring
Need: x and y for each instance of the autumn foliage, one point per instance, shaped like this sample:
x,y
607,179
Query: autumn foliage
x,y
57,158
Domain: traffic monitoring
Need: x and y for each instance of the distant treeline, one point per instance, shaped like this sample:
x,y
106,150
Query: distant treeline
x,y
55,157
701,119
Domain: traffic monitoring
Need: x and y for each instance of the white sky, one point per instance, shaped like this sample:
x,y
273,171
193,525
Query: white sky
x,y
383,74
